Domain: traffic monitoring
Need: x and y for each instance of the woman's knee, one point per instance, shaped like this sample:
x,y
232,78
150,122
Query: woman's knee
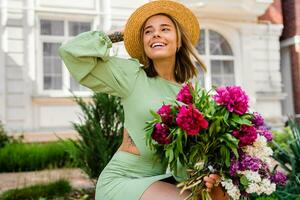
x,y
163,191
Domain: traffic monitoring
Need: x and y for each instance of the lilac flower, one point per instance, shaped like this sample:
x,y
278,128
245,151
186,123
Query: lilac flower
x,y
278,178
233,97
257,120
234,167
246,162
265,132
250,163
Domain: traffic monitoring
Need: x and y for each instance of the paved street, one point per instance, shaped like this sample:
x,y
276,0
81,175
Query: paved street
x,y
21,179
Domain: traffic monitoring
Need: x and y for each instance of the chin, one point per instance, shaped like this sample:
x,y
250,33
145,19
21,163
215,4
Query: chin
x,y
159,56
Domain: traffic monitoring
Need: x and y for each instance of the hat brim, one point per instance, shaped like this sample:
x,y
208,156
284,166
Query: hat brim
x,y
179,12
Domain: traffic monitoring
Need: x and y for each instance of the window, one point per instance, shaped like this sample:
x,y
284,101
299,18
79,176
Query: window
x,y
219,59
55,77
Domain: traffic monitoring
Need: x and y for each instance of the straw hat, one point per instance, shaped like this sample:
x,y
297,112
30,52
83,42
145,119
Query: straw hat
x,y
179,12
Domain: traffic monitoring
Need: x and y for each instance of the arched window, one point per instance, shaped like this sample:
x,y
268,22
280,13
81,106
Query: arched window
x,y
218,57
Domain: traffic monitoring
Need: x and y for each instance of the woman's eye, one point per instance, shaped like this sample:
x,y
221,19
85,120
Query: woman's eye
x,y
165,29
147,32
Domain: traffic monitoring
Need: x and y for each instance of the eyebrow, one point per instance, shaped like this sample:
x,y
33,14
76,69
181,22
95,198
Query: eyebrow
x,y
150,26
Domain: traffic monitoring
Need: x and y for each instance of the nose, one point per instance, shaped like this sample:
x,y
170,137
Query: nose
x,y
156,34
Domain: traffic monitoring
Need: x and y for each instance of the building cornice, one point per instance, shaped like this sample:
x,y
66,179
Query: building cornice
x,y
44,101
290,41
236,10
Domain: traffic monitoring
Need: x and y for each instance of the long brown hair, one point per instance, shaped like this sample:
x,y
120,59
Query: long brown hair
x,y
185,67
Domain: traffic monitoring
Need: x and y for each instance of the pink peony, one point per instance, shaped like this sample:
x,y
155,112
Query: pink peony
x,y
246,135
233,97
190,120
161,133
165,114
185,95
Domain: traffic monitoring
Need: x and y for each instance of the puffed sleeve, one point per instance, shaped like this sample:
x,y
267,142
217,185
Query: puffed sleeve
x,y
87,58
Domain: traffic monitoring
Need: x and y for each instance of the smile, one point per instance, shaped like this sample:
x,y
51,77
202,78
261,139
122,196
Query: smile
x,y
158,45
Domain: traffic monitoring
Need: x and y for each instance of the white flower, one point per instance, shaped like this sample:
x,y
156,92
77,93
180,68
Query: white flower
x,y
251,176
267,187
260,150
259,187
232,190
253,188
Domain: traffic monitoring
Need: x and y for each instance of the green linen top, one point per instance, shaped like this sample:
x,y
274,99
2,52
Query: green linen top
x,y
87,58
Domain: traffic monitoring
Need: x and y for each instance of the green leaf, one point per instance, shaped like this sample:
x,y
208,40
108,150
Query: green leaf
x,y
226,116
155,115
171,155
225,154
244,180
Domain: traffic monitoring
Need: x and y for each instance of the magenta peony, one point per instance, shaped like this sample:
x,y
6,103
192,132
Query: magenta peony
x,y
160,134
185,95
191,120
233,97
165,114
247,135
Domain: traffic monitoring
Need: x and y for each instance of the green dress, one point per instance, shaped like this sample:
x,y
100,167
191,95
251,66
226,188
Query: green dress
x,y
87,58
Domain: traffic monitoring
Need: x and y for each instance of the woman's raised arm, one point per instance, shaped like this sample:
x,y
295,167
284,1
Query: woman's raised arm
x,y
87,58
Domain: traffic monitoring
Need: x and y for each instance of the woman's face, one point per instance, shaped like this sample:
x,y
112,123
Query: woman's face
x,y
160,38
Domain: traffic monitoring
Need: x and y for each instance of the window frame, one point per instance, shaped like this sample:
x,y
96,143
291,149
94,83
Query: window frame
x,y
207,58
65,91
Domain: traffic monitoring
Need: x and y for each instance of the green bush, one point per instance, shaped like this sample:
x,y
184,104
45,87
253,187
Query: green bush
x,y
282,138
267,198
4,138
101,130
289,159
41,191
16,157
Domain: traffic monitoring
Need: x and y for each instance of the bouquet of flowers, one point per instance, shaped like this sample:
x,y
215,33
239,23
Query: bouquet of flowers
x,y
213,132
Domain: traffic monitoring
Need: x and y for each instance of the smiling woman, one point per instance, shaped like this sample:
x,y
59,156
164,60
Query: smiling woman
x,y
161,36
162,32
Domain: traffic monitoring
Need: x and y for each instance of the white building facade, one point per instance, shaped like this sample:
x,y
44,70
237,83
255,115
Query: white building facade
x,y
36,89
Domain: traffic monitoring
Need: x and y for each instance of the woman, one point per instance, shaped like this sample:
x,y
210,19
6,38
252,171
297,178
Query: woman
x,y
160,35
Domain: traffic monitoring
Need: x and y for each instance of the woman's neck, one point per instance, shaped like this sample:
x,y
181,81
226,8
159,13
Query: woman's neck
x,y
165,69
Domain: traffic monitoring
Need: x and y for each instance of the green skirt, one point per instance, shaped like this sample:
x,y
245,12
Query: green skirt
x,y
127,176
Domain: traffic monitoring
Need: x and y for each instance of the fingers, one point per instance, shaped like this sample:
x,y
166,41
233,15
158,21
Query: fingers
x,y
216,177
211,181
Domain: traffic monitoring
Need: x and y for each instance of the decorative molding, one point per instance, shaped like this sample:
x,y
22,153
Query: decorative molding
x,y
3,51
290,41
270,96
68,4
29,59
57,100
246,10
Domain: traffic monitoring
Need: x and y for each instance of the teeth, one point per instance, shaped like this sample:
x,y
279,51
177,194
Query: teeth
x,y
157,44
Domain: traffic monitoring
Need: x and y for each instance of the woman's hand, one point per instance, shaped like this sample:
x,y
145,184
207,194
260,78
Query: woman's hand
x,y
215,191
116,35
211,181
